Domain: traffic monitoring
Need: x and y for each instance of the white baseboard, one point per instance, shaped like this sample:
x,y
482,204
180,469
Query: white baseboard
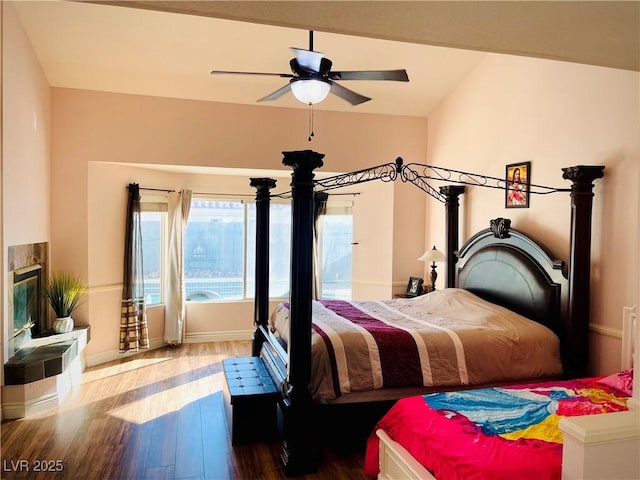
x,y
31,407
218,336
104,357
110,355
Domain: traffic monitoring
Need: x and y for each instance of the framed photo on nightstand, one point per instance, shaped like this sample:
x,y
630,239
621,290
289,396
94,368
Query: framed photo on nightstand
x,y
414,287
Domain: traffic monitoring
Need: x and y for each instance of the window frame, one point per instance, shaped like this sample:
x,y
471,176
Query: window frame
x,y
224,198
246,204
158,204
335,208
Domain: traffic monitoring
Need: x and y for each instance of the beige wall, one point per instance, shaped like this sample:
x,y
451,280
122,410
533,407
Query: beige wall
x,y
554,114
408,204
373,232
25,147
102,141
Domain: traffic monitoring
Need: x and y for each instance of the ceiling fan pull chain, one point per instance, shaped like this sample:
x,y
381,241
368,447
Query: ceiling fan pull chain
x,y
311,134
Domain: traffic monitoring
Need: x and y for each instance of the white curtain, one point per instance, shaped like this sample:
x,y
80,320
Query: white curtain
x,y
174,295
319,208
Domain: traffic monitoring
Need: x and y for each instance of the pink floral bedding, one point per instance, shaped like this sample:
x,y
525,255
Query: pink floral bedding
x,y
493,433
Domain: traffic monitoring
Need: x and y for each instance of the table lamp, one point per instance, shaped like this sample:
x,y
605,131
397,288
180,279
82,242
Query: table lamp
x,y
433,256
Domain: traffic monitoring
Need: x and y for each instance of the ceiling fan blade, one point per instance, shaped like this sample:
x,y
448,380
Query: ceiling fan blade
x,y
349,95
395,75
308,59
277,94
224,72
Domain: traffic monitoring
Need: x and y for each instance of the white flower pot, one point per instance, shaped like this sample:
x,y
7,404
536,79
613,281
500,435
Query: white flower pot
x,y
63,325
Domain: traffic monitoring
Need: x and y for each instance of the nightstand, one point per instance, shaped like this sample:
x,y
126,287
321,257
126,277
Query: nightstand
x,y
404,295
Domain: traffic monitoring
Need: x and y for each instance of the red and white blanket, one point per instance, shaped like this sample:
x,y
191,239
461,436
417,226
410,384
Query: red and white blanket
x,y
446,338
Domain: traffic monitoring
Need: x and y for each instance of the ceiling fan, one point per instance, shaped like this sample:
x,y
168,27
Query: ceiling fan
x,y
312,79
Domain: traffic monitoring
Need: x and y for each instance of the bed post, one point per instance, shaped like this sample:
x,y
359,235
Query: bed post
x,y
299,451
261,300
577,335
451,194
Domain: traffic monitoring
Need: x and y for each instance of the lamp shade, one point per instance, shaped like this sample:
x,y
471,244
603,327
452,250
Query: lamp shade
x,y
310,91
432,255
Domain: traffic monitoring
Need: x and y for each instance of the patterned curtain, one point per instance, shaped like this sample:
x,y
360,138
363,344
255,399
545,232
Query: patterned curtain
x,y
319,208
134,332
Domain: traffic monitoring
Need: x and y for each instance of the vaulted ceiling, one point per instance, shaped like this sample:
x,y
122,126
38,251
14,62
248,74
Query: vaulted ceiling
x,y
167,48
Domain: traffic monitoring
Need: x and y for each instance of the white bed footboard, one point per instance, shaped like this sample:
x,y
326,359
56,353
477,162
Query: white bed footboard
x,y
397,464
631,351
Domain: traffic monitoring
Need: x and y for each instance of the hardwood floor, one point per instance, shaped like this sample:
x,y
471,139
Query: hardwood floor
x,y
162,414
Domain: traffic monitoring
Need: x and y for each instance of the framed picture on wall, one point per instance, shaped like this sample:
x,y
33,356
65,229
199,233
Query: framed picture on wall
x,y
518,183
414,287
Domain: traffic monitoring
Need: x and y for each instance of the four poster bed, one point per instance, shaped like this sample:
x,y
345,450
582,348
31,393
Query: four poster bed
x,y
501,271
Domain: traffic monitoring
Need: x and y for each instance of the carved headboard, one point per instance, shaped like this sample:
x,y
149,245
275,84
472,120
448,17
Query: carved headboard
x,y
509,268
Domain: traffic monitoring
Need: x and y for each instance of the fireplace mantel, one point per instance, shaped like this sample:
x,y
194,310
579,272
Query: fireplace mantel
x,y
42,373
45,357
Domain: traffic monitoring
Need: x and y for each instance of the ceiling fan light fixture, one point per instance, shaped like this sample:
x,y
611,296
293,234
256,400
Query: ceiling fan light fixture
x,y
310,91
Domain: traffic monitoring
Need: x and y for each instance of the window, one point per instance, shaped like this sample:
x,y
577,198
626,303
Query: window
x,y
214,250
279,249
336,248
219,250
154,231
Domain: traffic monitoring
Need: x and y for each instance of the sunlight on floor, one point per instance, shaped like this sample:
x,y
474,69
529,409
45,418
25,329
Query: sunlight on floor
x,y
170,400
99,372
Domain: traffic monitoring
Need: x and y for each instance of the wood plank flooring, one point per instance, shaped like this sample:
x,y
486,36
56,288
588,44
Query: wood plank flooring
x,y
162,414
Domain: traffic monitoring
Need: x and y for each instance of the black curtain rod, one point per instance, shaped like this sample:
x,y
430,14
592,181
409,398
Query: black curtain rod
x,y
288,194
233,194
225,194
157,189
167,190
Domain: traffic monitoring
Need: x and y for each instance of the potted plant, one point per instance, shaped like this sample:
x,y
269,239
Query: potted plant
x,y
64,291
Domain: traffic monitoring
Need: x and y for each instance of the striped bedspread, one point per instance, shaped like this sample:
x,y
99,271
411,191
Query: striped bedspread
x,y
446,338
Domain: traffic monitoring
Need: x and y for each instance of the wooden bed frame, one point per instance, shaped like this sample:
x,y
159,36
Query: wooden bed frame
x,y
559,295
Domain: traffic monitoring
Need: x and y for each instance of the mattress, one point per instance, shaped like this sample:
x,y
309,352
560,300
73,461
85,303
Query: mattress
x,y
446,338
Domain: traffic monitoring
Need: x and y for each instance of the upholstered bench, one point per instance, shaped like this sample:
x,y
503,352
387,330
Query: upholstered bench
x,y
254,399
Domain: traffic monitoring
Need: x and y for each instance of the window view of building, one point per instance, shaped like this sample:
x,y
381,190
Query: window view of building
x,y
219,251
214,250
279,249
220,245
336,247
153,226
